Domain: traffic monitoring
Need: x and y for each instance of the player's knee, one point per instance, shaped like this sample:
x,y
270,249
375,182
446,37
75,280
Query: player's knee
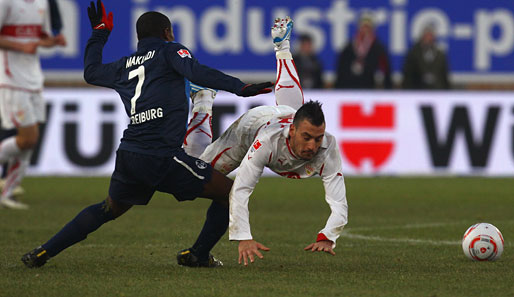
x,y
114,207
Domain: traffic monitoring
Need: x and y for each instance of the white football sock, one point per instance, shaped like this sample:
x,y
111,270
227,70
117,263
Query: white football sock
x,y
9,149
288,90
16,172
199,131
199,134
203,101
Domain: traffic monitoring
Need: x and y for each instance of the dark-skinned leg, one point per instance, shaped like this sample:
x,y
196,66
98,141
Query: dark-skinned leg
x,y
87,221
216,222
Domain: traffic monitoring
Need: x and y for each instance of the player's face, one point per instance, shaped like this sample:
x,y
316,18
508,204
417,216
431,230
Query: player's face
x,y
306,139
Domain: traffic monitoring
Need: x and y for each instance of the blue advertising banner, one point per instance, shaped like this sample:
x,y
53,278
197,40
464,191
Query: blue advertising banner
x,y
233,35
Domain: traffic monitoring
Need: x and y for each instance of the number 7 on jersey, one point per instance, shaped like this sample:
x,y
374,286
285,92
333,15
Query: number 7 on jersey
x,y
140,73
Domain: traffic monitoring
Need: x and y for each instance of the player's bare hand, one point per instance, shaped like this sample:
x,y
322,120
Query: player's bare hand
x,y
248,249
321,246
28,47
60,40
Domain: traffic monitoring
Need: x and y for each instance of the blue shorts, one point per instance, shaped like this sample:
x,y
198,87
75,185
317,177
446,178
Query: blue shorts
x,y
136,177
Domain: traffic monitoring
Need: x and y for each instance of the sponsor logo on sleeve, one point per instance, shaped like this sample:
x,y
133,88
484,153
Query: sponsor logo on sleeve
x,y
183,53
257,144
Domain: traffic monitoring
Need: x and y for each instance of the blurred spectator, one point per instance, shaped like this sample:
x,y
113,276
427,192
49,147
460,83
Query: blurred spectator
x,y
426,65
308,65
364,63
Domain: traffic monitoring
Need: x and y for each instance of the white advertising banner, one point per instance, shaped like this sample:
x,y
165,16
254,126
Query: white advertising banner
x,y
379,133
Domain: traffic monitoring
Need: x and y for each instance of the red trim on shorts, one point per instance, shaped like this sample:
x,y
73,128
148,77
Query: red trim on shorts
x,y
195,126
6,65
19,89
14,121
22,30
219,156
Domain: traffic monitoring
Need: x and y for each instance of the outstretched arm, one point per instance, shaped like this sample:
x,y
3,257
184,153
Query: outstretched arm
x,y
188,66
248,175
95,72
335,195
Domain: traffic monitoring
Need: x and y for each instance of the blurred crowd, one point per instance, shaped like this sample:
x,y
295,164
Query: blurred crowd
x,y
364,63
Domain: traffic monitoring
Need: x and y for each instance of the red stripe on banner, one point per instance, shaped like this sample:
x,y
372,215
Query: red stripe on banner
x,y
219,156
22,30
354,116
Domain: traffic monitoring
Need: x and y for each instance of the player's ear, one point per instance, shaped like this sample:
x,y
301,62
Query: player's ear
x,y
292,131
168,34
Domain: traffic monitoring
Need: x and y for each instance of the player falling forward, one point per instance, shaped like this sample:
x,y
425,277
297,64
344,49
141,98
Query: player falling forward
x,y
152,85
291,143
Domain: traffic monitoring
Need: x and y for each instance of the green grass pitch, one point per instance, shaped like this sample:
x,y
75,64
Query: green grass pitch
x,y
403,239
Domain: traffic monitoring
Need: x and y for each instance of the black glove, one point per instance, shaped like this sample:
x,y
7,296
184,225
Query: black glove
x,y
255,89
98,18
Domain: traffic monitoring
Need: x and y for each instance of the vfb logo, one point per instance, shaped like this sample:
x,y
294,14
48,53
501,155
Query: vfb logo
x,y
380,118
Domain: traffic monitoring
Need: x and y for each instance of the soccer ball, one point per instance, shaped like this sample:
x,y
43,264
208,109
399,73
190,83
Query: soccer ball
x,y
482,242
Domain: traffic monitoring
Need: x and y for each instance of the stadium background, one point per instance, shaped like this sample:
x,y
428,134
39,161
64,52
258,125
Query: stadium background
x,y
465,131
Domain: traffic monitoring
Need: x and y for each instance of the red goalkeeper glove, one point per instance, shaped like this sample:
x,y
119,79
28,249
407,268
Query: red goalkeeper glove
x,y
98,18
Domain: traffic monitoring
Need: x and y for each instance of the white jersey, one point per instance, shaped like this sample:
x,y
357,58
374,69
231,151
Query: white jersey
x,y
22,21
259,139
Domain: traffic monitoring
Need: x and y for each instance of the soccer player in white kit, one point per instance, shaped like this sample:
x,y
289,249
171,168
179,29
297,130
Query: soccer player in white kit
x,y
291,143
24,26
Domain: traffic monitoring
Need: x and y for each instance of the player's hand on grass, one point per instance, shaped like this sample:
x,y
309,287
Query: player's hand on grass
x,y
98,18
248,249
255,89
321,246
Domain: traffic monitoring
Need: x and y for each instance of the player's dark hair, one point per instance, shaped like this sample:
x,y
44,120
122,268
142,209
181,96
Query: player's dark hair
x,y
310,111
152,24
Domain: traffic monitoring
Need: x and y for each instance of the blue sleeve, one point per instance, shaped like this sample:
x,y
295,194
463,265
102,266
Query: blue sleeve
x,y
188,66
95,72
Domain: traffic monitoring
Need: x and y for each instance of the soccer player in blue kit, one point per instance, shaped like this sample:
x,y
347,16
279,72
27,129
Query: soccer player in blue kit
x,y
153,84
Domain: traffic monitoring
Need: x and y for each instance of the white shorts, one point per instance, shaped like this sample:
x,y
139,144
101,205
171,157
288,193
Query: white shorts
x,y
21,108
226,153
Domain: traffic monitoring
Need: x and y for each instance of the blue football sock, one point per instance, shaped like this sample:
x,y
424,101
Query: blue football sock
x,y
87,221
215,226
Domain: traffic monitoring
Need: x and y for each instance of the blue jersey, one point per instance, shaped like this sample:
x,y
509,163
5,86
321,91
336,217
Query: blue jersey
x,y
153,84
